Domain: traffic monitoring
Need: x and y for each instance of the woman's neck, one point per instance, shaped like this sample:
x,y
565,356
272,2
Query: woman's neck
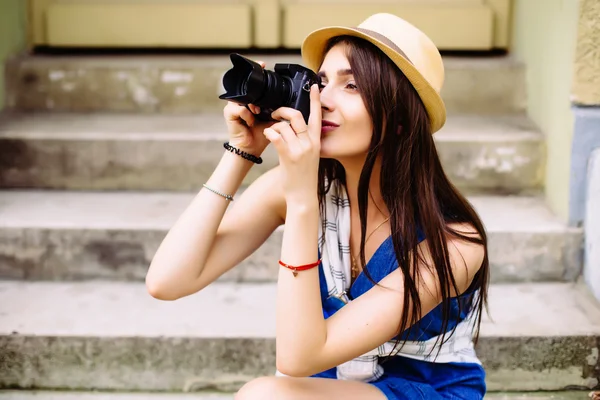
x,y
376,210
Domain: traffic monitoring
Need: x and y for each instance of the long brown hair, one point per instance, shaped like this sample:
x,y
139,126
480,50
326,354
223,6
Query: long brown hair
x,y
413,184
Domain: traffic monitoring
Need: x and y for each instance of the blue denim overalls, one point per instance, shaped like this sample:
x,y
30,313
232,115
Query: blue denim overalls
x,y
406,378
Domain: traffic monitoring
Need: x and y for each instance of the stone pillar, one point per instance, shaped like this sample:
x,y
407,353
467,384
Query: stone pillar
x,y
591,271
585,97
584,205
586,79
12,34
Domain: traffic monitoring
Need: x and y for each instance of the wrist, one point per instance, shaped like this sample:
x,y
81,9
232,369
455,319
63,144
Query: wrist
x,y
236,160
229,173
240,151
249,146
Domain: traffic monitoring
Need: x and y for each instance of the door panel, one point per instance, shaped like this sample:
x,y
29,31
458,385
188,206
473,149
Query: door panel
x,y
454,27
149,25
452,24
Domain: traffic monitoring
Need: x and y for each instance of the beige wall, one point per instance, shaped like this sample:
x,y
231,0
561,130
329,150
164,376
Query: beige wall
x,y
12,34
545,37
586,82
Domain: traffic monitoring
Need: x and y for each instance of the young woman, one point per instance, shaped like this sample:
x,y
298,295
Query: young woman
x,y
384,267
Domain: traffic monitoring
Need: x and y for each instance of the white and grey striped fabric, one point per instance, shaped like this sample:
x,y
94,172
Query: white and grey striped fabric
x,y
334,242
334,245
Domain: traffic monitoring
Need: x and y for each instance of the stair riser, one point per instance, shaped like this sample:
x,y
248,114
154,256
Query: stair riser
x,y
182,164
175,364
175,85
76,254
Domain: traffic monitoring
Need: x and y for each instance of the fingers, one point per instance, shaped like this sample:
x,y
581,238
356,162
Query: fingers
x,y
254,109
283,138
286,131
234,112
295,118
275,138
314,120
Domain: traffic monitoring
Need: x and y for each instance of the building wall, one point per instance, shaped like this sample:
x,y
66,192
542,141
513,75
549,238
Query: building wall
x,y
12,34
545,38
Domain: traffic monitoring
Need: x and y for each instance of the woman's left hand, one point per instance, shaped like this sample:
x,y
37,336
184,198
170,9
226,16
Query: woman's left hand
x,y
299,148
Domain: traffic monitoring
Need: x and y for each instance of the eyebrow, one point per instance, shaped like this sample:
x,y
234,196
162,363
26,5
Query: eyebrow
x,y
341,72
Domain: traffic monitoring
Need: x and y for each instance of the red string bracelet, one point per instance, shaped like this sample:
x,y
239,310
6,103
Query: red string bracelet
x,y
299,267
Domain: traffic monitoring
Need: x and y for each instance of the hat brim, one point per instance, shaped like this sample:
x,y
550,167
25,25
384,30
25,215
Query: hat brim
x,y
313,49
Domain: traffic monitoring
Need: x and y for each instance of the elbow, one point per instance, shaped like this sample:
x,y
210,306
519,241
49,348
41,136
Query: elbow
x,y
296,368
159,290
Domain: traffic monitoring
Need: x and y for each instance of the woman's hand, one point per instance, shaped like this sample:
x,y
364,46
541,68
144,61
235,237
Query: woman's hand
x,y
299,148
245,131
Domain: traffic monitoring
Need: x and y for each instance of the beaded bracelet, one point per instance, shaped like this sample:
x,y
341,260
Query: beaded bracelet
x,y
227,196
247,156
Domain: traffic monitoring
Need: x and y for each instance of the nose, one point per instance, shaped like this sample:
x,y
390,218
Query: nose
x,y
327,102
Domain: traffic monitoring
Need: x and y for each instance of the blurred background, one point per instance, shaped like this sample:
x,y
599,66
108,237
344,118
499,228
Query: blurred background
x,y
110,122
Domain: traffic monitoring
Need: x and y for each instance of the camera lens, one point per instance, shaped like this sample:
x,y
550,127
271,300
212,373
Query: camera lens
x,y
277,92
248,83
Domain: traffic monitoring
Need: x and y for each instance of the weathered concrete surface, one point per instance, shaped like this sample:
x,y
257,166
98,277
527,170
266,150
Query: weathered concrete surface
x,y
591,271
40,395
586,82
114,336
78,236
137,152
175,84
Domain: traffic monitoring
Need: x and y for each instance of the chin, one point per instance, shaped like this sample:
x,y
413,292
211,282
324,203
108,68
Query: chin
x,y
328,152
338,148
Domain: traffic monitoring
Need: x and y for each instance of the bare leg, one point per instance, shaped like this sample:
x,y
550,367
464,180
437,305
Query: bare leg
x,y
286,388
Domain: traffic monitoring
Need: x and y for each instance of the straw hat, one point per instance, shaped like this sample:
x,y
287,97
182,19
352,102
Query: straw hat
x,y
410,49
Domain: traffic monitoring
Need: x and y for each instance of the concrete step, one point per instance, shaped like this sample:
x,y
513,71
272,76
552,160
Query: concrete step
x,y
41,395
114,336
502,154
179,83
81,236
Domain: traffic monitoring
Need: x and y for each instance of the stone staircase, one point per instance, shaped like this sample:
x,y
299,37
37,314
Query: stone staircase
x,y
98,157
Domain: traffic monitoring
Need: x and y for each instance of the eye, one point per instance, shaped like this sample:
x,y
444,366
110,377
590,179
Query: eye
x,y
351,86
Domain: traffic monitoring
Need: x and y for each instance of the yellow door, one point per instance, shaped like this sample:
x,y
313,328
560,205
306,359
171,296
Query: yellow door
x,y
153,23
452,24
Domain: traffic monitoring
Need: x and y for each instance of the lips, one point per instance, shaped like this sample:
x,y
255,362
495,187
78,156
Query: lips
x,y
327,126
325,123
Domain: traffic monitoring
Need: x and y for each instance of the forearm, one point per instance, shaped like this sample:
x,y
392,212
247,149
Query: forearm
x,y
301,329
183,252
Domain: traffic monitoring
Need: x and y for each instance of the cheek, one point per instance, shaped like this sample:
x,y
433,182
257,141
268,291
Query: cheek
x,y
360,117
362,125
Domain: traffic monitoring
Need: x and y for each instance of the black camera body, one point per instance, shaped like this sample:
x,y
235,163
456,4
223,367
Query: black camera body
x,y
287,86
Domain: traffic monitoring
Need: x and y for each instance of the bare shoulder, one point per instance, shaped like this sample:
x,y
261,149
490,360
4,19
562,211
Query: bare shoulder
x,y
464,229
466,256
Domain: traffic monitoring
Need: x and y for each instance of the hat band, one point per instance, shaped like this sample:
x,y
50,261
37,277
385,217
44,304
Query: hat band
x,y
384,40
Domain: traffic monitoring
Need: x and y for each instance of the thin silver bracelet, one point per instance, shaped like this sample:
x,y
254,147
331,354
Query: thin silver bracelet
x,y
227,197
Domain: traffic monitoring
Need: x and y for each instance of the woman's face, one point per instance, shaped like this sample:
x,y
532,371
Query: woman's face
x,y
343,106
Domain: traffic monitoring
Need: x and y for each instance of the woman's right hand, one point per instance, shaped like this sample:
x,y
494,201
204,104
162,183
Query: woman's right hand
x,y
245,131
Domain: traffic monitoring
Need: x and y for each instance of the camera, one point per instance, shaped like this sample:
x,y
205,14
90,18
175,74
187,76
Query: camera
x,y
288,86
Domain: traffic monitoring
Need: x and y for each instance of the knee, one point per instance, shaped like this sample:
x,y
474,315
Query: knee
x,y
264,388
